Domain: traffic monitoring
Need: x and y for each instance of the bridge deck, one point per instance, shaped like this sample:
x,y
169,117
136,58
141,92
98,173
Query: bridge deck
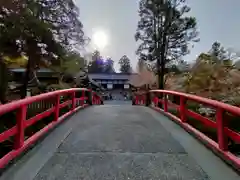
x,y
119,142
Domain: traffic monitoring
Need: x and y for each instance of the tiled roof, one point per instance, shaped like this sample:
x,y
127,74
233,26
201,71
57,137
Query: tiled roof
x,y
116,76
24,69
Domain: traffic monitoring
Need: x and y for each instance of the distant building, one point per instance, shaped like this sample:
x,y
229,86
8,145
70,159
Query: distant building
x,y
48,77
43,74
112,81
106,80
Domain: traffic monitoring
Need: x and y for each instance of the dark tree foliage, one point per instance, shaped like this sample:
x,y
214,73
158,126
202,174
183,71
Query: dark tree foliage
x,y
109,66
100,65
3,82
125,65
165,32
43,29
96,65
218,52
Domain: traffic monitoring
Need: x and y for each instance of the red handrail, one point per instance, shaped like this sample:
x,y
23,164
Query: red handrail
x,y
21,106
223,132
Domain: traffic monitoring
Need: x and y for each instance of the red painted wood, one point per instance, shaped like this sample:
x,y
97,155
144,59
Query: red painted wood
x,y
21,106
227,107
64,104
8,133
38,117
21,117
73,101
165,104
57,107
136,100
225,155
232,134
182,109
222,138
155,100
207,122
173,105
223,131
17,104
82,98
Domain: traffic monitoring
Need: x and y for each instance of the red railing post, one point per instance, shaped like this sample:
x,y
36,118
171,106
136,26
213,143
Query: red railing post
x,y
83,98
165,103
183,109
93,98
73,100
222,139
57,104
21,117
137,100
156,101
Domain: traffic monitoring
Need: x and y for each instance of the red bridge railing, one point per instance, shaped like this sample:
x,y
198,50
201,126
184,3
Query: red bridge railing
x,y
219,122
51,107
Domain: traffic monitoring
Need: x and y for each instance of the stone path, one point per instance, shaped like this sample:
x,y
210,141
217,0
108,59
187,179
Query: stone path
x,y
121,142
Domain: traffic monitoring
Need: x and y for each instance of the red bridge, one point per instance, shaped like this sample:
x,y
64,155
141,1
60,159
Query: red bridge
x,y
69,135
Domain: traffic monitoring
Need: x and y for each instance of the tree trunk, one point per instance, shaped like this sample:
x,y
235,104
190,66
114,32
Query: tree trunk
x,y
23,90
3,82
33,58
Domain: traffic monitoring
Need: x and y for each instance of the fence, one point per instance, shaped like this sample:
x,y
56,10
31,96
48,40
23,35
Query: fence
x,y
220,126
25,121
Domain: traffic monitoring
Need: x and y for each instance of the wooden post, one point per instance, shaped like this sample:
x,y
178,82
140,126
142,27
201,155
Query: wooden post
x,y
21,118
156,101
222,139
82,102
73,101
57,103
183,109
137,100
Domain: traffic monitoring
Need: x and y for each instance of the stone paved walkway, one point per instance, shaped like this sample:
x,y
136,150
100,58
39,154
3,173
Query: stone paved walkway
x,y
120,142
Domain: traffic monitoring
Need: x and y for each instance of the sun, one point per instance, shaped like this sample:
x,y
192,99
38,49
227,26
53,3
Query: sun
x,y
100,39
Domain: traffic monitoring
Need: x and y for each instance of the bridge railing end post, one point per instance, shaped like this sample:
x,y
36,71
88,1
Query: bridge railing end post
x,y
222,138
182,109
57,105
73,100
21,118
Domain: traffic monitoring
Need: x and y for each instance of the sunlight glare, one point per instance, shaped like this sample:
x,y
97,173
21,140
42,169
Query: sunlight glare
x,y
100,39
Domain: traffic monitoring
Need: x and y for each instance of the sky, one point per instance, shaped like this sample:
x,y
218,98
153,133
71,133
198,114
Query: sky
x,y
218,20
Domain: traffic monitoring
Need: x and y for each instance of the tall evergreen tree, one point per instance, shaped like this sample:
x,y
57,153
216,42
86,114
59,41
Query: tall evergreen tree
x,y
109,66
165,32
39,29
96,65
218,52
125,65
